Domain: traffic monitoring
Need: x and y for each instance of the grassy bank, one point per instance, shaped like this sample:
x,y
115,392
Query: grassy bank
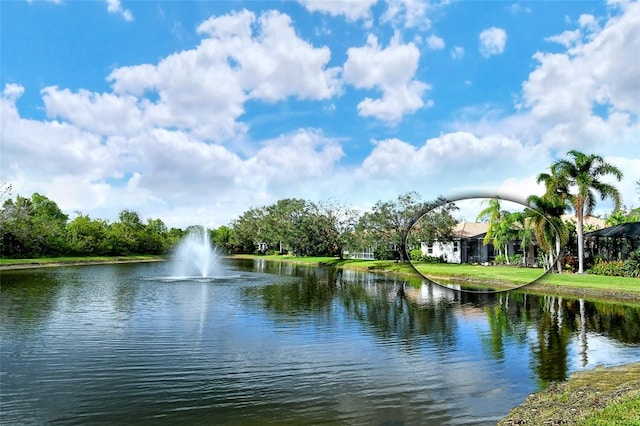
x,y
79,260
593,287
603,396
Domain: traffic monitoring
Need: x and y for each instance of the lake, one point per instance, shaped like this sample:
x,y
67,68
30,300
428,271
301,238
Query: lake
x,y
275,343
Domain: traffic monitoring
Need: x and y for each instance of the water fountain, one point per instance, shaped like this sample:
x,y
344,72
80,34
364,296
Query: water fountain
x,y
194,256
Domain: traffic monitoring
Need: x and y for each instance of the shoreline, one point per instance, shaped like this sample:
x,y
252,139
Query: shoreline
x,y
59,264
602,394
388,268
536,287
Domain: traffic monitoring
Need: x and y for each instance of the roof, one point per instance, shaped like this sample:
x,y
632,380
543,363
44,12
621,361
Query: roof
x,y
587,220
469,229
625,230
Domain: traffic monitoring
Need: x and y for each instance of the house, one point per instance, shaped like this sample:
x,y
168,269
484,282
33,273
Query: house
x,y
468,246
614,242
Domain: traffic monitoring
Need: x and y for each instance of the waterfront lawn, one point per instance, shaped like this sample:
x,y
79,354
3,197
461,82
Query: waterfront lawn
x,y
526,275
478,273
78,259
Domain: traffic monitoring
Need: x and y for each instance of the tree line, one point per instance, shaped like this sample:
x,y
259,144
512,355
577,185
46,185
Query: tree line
x,y
36,227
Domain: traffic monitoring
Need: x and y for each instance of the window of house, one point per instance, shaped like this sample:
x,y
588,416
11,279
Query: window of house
x,y
456,246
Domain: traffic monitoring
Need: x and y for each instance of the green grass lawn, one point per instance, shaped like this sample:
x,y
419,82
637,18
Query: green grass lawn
x,y
579,285
77,259
527,275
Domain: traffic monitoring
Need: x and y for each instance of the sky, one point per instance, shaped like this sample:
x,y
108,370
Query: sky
x,y
195,111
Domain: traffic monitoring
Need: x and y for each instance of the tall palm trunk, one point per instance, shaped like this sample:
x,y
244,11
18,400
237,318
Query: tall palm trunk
x,y
579,230
558,259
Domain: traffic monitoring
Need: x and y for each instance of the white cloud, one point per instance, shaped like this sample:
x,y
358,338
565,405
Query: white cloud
x,y
391,70
118,114
407,13
203,90
435,42
352,10
114,6
604,70
453,158
492,41
627,187
157,172
457,52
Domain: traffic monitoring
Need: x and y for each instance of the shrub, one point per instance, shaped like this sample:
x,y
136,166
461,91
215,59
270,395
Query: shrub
x,y
632,264
434,259
517,260
415,255
570,262
614,268
500,259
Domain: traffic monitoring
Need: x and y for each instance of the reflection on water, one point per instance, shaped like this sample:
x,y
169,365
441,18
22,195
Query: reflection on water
x,y
284,344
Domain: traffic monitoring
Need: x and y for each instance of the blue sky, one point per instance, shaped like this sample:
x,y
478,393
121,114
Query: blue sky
x,y
194,111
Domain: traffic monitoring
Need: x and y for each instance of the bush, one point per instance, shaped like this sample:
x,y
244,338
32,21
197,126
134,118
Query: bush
x,y
500,259
570,263
517,260
613,268
434,259
415,255
632,265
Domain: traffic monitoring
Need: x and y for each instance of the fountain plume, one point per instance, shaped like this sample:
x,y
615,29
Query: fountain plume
x,y
194,256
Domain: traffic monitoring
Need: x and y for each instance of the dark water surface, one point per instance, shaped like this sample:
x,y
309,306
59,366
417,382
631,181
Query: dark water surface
x,y
266,343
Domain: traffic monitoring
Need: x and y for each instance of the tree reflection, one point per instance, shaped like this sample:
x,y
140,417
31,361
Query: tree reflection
x,y
550,349
411,313
27,299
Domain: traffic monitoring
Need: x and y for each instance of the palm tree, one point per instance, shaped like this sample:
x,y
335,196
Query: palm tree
x,y
583,173
500,230
545,219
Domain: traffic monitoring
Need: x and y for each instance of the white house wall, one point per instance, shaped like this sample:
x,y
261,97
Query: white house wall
x,y
450,250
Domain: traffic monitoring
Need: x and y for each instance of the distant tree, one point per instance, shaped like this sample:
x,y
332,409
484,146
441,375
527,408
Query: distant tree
x,y
87,237
583,173
153,238
124,236
49,224
18,239
222,238
623,215
434,224
339,225
32,227
283,221
388,224
248,231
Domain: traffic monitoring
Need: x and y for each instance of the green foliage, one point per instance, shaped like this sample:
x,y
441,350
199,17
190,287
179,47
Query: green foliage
x,y
517,260
632,264
623,215
584,175
389,223
416,256
222,238
36,227
613,268
618,268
